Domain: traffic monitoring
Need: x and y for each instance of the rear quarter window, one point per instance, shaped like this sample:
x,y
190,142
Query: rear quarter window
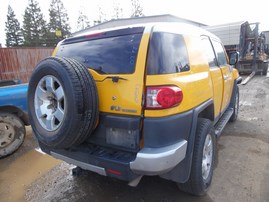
x,y
112,55
167,54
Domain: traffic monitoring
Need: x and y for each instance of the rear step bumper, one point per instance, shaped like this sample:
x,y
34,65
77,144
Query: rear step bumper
x,y
83,165
122,165
155,161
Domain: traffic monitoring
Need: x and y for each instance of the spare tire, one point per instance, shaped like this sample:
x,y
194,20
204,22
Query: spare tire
x,y
62,102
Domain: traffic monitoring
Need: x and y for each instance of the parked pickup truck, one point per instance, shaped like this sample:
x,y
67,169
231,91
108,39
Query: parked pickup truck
x,y
141,100
13,115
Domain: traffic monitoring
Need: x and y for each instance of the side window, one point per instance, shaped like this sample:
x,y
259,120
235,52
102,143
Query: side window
x,y
220,53
209,52
167,54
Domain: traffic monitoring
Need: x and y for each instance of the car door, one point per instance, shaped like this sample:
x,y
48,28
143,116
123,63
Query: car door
x,y
215,74
226,71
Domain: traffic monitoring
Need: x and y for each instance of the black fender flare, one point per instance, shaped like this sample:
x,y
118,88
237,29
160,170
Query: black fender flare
x,y
181,172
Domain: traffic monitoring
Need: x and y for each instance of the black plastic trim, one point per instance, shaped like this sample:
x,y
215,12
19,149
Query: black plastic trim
x,y
102,157
233,98
118,122
164,131
238,80
181,172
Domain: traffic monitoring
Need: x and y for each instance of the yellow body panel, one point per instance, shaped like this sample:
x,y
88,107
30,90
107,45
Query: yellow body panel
x,y
235,74
192,86
124,96
55,51
217,80
195,84
227,86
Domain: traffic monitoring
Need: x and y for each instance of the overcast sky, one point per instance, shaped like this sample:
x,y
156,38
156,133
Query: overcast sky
x,y
209,12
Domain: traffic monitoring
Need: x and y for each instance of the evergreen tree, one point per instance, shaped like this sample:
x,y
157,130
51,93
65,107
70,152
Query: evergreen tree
x,y
137,10
34,25
58,25
14,35
83,21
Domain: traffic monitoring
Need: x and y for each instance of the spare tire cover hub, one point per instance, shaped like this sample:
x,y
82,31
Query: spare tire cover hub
x,y
49,103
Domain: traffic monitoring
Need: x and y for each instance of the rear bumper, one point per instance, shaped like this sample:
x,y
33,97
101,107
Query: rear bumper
x,y
165,146
148,161
155,161
83,165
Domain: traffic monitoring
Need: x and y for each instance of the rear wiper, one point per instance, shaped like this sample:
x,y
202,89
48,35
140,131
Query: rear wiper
x,y
99,70
115,79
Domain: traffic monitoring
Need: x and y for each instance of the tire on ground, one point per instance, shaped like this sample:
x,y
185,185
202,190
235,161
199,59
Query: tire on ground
x,y
197,184
62,102
12,133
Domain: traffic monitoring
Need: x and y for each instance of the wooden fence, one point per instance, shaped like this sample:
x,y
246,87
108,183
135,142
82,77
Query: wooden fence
x,y
18,63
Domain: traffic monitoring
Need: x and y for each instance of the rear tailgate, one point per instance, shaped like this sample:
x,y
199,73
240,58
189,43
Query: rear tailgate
x,y
116,60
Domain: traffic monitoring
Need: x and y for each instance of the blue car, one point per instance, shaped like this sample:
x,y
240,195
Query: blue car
x,y
13,115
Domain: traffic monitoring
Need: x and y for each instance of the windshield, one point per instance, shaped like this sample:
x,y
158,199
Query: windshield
x,y
113,55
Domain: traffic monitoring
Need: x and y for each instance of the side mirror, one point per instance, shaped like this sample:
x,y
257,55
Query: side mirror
x,y
234,58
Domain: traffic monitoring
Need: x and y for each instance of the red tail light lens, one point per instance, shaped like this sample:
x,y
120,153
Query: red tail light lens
x,y
162,97
93,35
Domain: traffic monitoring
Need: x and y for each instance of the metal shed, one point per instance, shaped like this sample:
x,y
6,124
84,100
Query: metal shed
x,y
228,33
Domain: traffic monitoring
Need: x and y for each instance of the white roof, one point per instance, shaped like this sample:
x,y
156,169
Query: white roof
x,y
138,20
172,27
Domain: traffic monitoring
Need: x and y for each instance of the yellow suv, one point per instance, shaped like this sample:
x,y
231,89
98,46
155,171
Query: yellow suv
x,y
132,101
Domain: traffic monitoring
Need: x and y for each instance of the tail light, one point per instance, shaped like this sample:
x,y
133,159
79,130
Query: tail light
x,y
163,97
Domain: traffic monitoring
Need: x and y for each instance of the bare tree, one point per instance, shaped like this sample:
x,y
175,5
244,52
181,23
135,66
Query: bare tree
x,y
101,17
117,10
137,10
83,21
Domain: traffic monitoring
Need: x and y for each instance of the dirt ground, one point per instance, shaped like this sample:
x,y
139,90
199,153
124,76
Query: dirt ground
x,y
241,174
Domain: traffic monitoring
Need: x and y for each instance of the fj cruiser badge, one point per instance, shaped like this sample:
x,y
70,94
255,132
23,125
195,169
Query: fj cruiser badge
x,y
118,108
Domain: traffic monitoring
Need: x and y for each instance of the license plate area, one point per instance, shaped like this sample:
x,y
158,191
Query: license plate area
x,y
126,138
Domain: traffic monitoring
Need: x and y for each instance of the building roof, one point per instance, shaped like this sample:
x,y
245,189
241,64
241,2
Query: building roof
x,y
136,20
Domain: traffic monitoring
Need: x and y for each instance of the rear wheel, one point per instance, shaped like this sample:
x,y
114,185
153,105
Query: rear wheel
x,y
62,102
12,133
202,160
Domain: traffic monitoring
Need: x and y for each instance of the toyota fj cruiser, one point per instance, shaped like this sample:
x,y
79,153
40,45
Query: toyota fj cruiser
x,y
142,100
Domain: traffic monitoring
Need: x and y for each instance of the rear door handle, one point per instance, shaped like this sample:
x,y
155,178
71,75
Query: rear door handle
x,y
226,77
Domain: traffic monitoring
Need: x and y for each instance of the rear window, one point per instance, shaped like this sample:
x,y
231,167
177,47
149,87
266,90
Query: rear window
x,y
167,54
112,55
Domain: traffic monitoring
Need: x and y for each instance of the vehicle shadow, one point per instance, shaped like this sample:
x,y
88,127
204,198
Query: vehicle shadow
x,y
93,187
